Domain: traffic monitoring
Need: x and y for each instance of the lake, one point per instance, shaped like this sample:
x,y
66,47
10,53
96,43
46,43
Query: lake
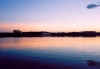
x,y
50,53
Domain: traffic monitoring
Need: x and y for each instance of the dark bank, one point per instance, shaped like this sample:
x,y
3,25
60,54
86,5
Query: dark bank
x,y
18,33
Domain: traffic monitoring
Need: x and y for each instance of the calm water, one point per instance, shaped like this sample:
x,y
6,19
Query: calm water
x,y
49,52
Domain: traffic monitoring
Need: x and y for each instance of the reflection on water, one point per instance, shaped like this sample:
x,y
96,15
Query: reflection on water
x,y
60,53
93,63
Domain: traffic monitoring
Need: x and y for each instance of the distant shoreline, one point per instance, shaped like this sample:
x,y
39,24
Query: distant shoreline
x,y
18,33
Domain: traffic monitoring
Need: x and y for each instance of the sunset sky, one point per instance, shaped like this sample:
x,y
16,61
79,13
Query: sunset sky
x,y
49,15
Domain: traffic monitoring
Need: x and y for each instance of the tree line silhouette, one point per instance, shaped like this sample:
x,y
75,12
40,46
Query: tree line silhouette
x,y
18,33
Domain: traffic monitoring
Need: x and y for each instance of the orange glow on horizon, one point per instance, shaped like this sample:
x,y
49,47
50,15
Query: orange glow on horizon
x,y
42,27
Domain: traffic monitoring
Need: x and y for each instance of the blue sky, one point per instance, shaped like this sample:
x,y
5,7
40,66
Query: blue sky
x,y
49,15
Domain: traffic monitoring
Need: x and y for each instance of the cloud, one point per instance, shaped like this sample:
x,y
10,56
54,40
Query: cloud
x,y
91,6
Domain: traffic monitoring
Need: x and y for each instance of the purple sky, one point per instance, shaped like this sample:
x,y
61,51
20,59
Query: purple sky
x,y
49,15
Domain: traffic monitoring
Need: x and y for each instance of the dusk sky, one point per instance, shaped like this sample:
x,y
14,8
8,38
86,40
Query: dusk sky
x,y
49,15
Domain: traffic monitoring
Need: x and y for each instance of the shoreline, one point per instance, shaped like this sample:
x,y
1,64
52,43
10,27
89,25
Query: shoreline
x,y
50,34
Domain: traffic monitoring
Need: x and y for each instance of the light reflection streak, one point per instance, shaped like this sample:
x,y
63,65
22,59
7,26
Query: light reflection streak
x,y
79,44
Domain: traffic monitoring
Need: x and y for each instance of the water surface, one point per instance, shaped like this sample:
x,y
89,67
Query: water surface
x,y
49,52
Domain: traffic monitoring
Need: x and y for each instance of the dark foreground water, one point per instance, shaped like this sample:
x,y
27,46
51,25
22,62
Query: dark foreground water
x,y
50,53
